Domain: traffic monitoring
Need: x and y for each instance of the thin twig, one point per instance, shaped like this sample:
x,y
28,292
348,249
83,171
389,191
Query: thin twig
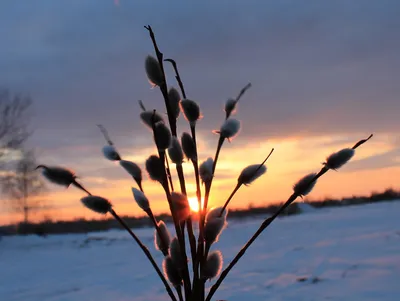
x,y
238,185
196,166
169,174
105,134
142,105
241,93
219,146
179,291
146,252
361,142
177,76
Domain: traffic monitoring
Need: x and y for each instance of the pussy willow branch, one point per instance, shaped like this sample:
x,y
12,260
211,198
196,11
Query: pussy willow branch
x,y
192,239
146,252
208,186
196,255
266,223
239,184
179,169
163,87
196,167
177,76
263,226
172,124
203,212
179,233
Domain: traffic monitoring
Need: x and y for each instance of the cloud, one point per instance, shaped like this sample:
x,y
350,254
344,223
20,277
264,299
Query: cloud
x,y
315,68
318,69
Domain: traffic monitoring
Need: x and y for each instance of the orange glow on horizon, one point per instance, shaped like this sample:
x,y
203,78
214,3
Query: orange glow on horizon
x,y
293,157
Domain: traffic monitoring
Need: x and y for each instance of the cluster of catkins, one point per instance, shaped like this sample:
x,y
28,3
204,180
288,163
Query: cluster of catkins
x,y
211,222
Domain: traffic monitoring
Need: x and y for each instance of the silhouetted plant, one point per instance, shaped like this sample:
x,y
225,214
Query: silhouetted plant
x,y
205,264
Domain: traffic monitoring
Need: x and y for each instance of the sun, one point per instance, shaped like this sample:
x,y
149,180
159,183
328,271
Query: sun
x,y
194,204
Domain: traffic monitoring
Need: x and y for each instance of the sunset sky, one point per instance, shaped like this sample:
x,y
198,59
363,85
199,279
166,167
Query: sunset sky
x,y
324,73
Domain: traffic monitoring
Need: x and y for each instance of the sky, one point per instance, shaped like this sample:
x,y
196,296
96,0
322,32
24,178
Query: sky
x,y
324,75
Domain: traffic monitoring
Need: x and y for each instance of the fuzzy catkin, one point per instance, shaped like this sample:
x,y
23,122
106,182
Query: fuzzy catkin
x,y
304,185
111,153
133,169
251,173
188,146
96,203
171,272
155,168
166,237
190,110
214,224
141,199
180,205
230,128
340,158
205,170
162,135
175,151
153,71
230,106
213,265
175,253
58,175
148,117
174,99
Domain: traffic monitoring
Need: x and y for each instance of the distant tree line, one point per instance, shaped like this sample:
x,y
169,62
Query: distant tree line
x,y
20,185
86,226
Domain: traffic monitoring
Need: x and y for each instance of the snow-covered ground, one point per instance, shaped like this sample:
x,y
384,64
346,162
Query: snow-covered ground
x,y
349,253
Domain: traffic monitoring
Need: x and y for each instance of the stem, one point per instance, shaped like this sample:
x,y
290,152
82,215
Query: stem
x,y
139,185
146,252
263,226
238,185
179,291
177,76
219,146
169,174
200,246
361,142
196,166
163,87
165,247
179,234
192,239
